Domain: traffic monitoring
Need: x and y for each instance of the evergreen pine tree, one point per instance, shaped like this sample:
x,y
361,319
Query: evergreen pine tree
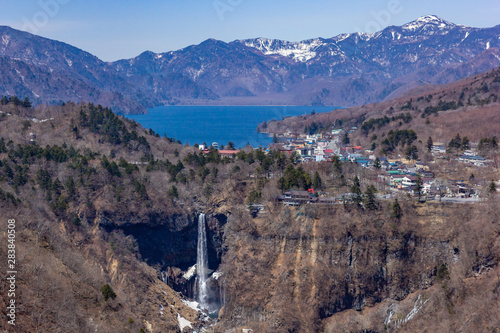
x,y
396,210
370,203
345,139
356,190
26,103
465,143
411,152
337,165
430,143
418,187
108,292
317,182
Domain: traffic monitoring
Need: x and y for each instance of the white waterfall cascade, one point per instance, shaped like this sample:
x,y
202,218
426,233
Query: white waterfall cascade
x,y
202,288
164,277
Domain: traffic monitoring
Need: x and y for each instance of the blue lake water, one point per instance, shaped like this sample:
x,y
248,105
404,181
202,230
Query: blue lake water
x,y
199,124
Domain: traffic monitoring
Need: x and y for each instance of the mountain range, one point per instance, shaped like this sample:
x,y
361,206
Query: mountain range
x,y
349,69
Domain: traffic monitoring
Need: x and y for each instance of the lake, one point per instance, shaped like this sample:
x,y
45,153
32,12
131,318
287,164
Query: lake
x,y
199,124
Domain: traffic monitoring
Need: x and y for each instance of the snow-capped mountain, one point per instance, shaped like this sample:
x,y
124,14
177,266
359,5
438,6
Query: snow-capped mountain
x,y
348,69
299,51
429,22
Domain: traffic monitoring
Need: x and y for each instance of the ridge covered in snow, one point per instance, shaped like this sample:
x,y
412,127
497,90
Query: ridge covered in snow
x,y
306,50
299,51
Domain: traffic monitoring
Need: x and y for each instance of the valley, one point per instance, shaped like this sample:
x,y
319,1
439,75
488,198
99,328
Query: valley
x,y
98,200
382,216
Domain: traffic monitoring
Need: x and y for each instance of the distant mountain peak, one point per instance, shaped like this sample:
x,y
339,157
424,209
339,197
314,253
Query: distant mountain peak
x,y
428,20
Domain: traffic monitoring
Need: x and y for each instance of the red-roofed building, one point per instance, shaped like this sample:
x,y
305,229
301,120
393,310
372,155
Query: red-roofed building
x,y
228,152
224,152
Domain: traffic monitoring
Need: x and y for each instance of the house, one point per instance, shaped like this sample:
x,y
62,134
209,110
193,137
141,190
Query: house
x,y
299,142
409,181
438,149
396,180
354,157
322,143
298,194
364,162
337,131
476,160
297,198
329,152
385,165
319,150
328,201
319,157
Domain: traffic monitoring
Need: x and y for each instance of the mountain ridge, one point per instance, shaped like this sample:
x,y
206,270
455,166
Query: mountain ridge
x,y
347,69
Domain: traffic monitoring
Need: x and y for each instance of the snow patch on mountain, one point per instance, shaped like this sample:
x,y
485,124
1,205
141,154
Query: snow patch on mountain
x,y
5,40
466,35
341,37
426,20
364,36
299,51
194,73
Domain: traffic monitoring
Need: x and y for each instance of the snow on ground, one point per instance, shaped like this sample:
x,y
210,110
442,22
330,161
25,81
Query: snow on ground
x,y
393,316
193,305
299,51
190,272
183,322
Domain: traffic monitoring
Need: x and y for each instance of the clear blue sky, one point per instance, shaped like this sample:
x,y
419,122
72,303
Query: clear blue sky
x,y
112,29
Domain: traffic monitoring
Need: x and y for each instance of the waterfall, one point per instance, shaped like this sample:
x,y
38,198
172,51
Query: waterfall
x,y
202,265
164,277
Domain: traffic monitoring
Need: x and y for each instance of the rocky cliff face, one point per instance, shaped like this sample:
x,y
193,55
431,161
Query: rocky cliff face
x,y
165,240
302,270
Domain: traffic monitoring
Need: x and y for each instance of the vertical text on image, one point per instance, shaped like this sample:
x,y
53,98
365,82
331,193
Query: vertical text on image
x,y
11,271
